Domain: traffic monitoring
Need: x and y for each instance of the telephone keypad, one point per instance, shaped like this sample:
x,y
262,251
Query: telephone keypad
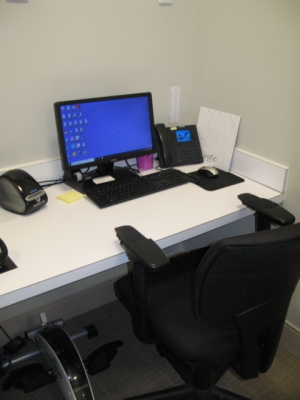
x,y
186,156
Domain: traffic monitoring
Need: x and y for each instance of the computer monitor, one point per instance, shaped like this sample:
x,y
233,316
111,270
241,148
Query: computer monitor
x,y
97,132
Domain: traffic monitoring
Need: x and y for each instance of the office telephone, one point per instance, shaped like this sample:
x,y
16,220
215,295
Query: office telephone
x,y
178,145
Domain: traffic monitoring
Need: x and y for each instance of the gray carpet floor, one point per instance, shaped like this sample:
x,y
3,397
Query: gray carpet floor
x,y
137,368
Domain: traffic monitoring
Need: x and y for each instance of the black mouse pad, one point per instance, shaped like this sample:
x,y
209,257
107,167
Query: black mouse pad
x,y
222,180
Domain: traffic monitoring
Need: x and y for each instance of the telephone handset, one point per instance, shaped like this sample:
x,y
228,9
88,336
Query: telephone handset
x,y
178,145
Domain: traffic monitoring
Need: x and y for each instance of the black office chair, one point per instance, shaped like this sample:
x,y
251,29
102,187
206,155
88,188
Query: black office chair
x,y
212,308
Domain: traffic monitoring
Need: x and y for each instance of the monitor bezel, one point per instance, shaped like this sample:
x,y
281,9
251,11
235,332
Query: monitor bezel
x,y
110,159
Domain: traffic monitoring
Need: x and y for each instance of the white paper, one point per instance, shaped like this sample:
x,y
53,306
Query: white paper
x,y
102,179
217,132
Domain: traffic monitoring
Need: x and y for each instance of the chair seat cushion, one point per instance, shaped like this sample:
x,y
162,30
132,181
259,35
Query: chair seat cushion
x,y
170,315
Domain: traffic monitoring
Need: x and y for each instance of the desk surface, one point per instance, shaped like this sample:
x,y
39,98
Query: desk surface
x,y
63,243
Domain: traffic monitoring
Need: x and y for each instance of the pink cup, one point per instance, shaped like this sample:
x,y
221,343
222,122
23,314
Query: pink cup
x,y
145,162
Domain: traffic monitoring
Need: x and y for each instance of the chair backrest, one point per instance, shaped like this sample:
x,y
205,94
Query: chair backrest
x,y
246,282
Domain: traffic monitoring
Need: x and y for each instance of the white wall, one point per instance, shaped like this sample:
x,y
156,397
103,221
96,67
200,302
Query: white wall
x,y
247,63
238,56
54,50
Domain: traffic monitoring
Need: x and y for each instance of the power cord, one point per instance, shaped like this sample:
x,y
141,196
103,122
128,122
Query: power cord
x,y
5,333
46,184
134,170
10,349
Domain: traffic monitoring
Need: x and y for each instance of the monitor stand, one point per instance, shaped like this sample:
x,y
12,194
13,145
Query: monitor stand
x,y
79,181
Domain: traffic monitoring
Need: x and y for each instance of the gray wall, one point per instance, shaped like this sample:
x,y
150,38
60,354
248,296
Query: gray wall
x,y
237,56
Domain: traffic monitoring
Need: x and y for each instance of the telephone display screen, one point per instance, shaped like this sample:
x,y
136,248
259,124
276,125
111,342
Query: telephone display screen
x,y
183,136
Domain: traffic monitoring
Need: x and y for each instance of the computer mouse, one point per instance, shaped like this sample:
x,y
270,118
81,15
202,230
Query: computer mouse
x,y
208,171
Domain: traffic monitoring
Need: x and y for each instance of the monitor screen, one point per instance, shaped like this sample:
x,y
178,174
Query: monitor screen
x,y
98,131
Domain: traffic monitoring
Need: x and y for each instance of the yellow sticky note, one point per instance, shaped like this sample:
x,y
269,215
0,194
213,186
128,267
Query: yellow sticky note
x,y
70,197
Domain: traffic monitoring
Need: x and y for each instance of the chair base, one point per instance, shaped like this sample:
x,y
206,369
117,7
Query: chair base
x,y
187,392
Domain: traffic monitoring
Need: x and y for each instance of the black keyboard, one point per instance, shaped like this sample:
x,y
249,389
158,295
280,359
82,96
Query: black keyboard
x,y
110,193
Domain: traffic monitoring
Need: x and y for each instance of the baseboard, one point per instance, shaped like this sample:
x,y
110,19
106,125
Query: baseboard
x,y
290,339
251,166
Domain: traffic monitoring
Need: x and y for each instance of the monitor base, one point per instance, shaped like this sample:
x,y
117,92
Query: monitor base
x,y
78,181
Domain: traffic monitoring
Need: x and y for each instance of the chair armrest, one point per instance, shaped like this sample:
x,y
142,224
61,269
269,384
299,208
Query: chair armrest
x,y
141,250
267,209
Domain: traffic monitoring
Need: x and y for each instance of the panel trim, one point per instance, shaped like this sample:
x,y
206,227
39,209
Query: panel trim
x,y
259,170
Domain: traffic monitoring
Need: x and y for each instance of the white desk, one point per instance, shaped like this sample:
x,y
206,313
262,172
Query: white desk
x,y
62,243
